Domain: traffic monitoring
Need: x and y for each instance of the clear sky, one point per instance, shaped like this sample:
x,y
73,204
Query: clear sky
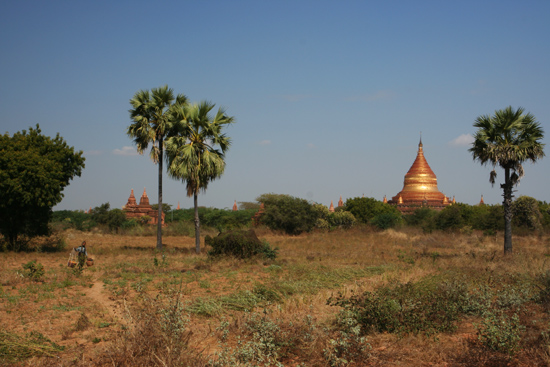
x,y
330,97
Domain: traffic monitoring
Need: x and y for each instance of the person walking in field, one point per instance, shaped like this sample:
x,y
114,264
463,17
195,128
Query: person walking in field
x,y
82,254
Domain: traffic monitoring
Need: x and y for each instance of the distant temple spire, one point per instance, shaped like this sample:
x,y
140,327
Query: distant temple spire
x,y
331,208
340,202
144,200
235,208
481,202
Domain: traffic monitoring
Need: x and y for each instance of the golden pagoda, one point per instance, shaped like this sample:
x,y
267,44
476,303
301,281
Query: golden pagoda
x,y
420,188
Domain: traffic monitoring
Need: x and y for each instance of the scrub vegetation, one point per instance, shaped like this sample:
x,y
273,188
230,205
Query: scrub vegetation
x,y
343,297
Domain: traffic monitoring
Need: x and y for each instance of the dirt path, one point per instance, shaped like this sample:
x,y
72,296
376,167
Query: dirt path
x,y
99,295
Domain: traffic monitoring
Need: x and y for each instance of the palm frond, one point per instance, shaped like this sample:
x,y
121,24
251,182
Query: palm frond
x,y
507,139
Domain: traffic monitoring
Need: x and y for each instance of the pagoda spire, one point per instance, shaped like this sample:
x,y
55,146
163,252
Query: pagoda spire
x,y
331,208
131,199
144,200
235,207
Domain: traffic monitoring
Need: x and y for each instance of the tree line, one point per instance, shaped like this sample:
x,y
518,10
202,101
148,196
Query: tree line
x,y
294,216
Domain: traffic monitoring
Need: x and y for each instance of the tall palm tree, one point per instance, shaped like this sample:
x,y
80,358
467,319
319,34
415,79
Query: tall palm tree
x,y
152,118
196,150
507,139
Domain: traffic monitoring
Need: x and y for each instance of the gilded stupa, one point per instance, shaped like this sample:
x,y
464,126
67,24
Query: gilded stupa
x,y
420,188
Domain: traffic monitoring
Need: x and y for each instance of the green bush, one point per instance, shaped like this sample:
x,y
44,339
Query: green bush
x,y
241,244
424,307
500,332
34,270
341,219
289,214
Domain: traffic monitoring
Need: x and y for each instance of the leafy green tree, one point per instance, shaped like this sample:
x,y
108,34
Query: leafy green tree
x,y
248,205
365,209
341,219
421,217
113,218
526,213
100,214
337,219
151,114
116,219
224,219
196,149
453,217
487,217
386,220
544,209
507,139
71,218
287,213
34,170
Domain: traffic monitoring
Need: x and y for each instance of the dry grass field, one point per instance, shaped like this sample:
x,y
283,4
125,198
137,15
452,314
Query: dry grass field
x,y
139,307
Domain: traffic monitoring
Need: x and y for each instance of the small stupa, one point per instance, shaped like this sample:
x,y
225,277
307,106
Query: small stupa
x,y
420,187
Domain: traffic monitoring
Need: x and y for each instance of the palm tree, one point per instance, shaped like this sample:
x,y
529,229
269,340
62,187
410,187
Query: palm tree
x,y
507,139
196,150
152,119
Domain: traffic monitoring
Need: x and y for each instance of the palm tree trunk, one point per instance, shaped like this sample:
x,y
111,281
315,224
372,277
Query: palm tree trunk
x,y
507,205
159,218
197,225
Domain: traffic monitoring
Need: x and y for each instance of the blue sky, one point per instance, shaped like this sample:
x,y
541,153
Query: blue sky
x,y
330,97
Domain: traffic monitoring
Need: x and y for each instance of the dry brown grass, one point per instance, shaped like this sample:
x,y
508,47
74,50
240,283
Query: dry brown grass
x,y
104,315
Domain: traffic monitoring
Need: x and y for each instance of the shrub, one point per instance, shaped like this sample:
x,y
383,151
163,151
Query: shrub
x,y
404,308
341,219
322,224
159,336
350,346
241,244
34,270
289,214
500,332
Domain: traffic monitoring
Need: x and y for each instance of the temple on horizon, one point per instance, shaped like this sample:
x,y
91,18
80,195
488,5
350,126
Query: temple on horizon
x,y
420,188
133,210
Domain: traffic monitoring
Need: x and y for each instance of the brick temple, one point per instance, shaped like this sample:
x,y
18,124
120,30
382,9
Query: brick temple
x,y
136,211
420,188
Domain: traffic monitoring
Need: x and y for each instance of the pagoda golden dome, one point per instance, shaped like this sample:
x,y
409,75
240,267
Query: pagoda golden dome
x,y
420,187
